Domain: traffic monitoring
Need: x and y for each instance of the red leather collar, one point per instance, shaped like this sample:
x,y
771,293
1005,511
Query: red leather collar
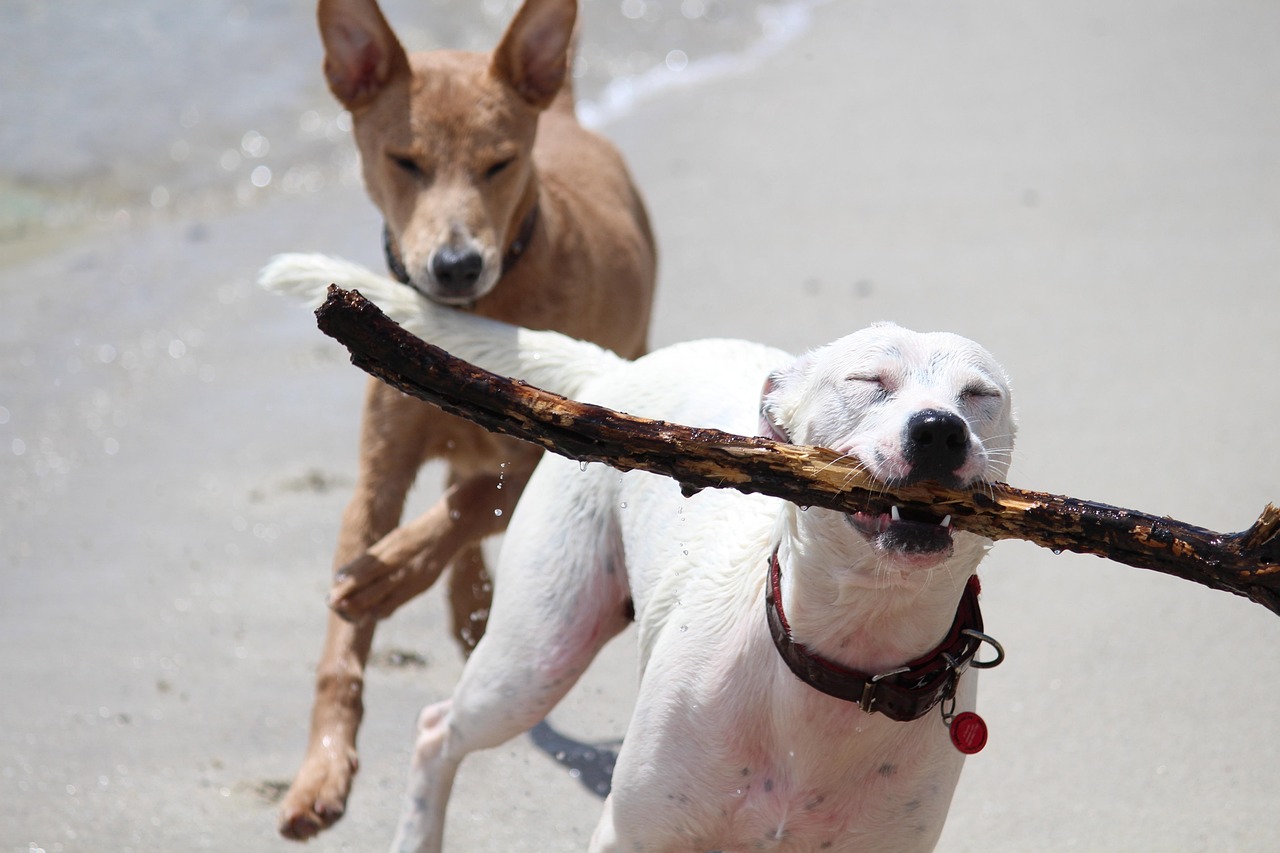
x,y
903,694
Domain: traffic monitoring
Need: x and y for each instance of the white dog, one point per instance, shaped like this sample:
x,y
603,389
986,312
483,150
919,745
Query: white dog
x,y
804,672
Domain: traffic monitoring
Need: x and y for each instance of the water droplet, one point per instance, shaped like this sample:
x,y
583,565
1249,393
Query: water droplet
x,y
1057,551
624,504
574,773
498,513
582,466
309,122
254,144
804,509
684,628
499,485
686,552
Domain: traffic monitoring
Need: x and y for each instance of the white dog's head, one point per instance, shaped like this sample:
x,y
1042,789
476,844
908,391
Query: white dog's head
x,y
910,407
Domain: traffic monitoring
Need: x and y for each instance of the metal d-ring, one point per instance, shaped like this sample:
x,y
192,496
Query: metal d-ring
x,y
989,640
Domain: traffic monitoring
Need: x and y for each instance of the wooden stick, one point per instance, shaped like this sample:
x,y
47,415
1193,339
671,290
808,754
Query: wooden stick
x,y
1245,563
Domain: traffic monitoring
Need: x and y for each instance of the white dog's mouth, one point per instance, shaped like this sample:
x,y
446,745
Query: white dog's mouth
x,y
905,532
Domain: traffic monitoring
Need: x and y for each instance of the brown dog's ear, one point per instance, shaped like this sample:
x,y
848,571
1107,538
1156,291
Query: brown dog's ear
x,y
533,56
361,53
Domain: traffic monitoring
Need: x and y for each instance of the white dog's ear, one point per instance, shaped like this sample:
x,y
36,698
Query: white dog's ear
x,y
769,425
779,398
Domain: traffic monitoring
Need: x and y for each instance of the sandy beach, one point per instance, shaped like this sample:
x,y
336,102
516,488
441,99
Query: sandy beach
x,y
1091,190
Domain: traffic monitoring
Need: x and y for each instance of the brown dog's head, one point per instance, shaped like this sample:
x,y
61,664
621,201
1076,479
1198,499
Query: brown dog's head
x,y
446,137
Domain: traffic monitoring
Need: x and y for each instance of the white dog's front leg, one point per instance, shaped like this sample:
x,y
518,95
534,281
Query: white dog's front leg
x,y
605,838
431,776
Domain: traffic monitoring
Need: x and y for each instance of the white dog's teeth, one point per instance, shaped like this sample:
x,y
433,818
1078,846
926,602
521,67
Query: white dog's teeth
x,y
946,521
894,514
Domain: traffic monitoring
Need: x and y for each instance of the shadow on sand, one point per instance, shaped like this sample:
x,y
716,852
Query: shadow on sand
x,y
589,763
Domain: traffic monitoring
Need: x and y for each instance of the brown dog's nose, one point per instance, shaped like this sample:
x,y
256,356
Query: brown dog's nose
x,y
936,444
457,270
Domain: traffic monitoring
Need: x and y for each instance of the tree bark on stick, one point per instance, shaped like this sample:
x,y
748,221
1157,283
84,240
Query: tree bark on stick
x,y
1245,563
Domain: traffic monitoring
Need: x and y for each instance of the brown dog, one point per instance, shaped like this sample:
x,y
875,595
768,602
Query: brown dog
x,y
494,197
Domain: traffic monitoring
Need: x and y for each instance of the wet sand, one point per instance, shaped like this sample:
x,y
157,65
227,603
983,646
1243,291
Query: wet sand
x,y
1093,192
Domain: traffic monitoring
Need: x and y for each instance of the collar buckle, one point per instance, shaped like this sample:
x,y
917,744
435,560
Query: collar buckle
x,y
868,702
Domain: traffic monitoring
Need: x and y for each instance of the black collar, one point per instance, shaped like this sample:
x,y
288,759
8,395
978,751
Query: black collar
x,y
903,694
513,254
523,238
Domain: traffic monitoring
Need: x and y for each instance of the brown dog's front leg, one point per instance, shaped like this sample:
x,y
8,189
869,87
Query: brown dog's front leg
x,y
318,796
391,427
409,559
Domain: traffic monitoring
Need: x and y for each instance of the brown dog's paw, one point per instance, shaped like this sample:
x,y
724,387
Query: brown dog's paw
x,y
358,587
369,589
318,797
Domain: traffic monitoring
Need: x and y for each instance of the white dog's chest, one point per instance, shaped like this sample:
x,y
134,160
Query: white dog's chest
x,y
860,811
829,778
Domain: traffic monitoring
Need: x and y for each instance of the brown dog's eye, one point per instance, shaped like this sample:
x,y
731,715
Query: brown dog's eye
x,y
496,169
407,164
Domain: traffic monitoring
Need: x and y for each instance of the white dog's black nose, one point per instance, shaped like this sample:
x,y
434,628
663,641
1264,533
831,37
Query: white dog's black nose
x,y
456,270
936,444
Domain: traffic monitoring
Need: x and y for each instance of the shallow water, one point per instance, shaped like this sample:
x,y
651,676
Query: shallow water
x,y
150,107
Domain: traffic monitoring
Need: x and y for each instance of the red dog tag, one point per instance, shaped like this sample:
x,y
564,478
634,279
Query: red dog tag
x,y
968,732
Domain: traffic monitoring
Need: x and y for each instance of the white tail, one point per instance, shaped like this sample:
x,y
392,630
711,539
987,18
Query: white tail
x,y
548,360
